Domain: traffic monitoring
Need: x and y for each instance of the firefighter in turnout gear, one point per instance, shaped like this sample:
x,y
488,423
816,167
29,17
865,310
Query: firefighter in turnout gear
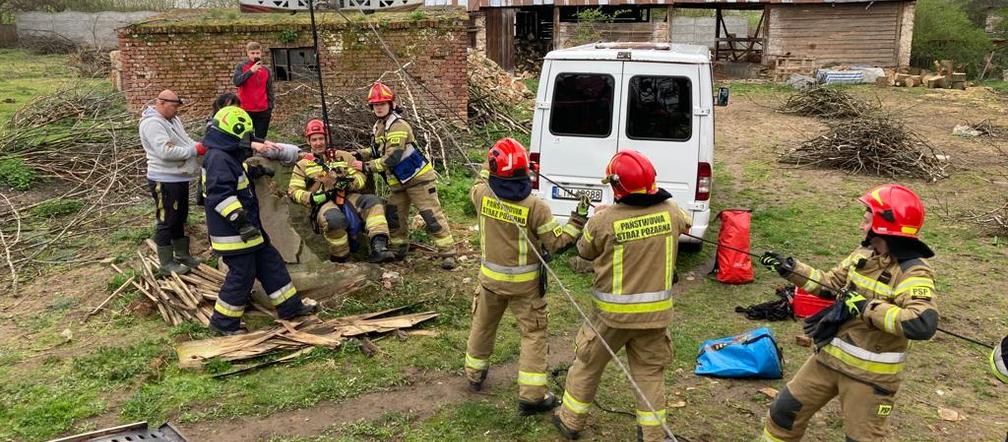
x,y
514,225
409,174
236,233
885,300
328,184
633,247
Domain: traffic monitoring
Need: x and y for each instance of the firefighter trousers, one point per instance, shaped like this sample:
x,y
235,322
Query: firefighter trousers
x,y
333,222
264,264
424,197
530,313
865,408
648,351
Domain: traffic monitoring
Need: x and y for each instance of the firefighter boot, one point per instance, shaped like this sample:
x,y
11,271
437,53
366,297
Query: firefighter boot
x,y
218,332
166,256
401,251
640,436
182,256
477,386
548,403
379,250
567,433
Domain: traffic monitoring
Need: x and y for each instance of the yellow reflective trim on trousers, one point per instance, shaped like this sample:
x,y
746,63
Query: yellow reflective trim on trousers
x,y
669,268
617,267
854,361
504,277
232,246
650,419
574,405
475,363
869,284
533,379
375,220
285,296
767,437
890,319
997,365
228,310
340,240
644,307
446,241
813,275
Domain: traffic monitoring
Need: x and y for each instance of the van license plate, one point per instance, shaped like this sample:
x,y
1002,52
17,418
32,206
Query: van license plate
x,y
573,193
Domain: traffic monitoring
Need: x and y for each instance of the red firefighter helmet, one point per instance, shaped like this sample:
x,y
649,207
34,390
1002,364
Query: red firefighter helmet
x,y
508,159
314,127
896,210
630,172
380,93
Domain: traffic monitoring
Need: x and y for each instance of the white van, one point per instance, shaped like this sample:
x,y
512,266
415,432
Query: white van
x,y
597,99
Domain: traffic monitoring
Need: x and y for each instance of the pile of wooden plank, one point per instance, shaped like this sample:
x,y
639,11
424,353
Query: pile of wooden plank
x,y
296,335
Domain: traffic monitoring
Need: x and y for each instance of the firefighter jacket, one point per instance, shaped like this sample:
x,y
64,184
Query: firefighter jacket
x,y
227,189
395,155
508,266
308,173
901,308
634,252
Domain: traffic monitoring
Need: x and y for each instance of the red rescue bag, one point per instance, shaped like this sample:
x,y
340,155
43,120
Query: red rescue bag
x,y
732,267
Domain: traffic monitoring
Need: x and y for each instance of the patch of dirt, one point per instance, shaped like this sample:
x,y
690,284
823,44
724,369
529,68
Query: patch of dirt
x,y
424,397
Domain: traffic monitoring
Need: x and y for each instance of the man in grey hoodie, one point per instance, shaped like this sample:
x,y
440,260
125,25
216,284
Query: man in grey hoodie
x,y
171,164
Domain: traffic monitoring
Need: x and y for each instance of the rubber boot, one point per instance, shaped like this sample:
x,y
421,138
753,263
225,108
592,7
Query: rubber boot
x,y
218,332
546,404
339,259
182,256
640,436
567,433
379,250
166,256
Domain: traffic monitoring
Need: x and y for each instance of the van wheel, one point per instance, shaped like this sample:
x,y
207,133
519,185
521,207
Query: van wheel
x,y
691,247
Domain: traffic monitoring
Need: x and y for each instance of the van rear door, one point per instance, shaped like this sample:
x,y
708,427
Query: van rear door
x,y
658,120
579,129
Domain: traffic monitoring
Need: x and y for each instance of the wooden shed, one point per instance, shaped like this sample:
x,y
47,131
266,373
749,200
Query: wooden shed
x,y
830,32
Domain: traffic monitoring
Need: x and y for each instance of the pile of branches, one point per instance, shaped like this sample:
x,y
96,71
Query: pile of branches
x,y
494,94
988,129
877,145
991,222
827,103
89,62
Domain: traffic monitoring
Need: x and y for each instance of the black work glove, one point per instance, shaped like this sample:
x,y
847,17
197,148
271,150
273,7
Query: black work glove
x,y
825,329
255,172
776,262
239,220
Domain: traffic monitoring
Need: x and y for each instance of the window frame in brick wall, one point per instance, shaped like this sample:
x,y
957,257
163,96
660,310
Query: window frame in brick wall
x,y
284,70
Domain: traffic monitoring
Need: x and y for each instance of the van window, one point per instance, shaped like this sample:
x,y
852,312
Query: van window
x,y
659,108
582,105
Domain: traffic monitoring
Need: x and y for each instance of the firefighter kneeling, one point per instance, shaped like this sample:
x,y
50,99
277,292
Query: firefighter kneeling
x,y
328,183
633,245
514,226
886,300
236,233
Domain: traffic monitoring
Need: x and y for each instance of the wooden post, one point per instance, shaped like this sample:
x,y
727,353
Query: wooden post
x,y
556,27
717,34
669,14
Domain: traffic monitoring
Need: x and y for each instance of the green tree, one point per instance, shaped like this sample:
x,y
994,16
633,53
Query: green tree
x,y
943,31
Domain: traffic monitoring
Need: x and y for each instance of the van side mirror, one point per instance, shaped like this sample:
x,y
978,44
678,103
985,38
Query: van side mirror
x,y
722,96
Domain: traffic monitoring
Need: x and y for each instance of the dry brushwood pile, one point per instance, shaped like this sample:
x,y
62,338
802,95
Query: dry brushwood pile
x,y
297,335
877,145
991,222
988,129
494,94
826,103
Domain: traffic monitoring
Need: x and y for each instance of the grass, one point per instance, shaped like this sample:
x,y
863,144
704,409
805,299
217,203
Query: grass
x,y
24,76
16,174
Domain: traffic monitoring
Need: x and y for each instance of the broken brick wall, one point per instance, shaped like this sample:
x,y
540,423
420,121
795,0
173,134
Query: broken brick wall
x,y
196,55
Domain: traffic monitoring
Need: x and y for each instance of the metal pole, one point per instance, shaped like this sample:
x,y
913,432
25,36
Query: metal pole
x,y
318,70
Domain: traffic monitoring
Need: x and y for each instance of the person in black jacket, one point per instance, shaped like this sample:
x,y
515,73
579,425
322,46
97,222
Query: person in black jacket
x,y
236,232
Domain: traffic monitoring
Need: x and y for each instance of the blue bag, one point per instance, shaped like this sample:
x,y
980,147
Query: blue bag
x,y
750,355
